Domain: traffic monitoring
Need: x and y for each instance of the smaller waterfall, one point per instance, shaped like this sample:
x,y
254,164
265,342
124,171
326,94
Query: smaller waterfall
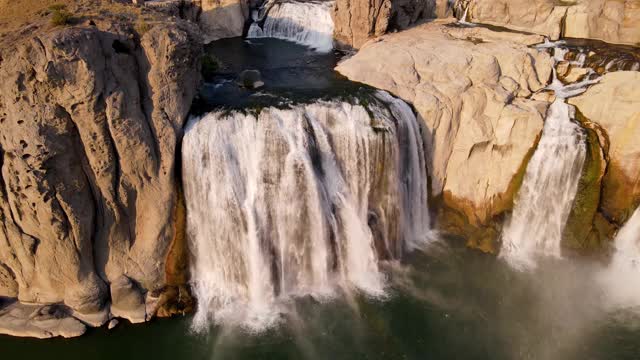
x,y
621,280
300,201
544,202
306,23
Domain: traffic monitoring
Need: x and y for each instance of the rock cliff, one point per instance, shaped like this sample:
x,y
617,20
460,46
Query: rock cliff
x,y
613,21
358,21
613,104
470,86
90,121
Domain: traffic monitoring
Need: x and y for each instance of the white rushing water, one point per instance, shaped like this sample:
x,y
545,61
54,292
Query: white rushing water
x,y
300,201
621,280
306,23
546,197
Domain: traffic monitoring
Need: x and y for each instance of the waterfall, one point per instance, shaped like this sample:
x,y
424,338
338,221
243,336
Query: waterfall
x,y
300,201
306,23
549,187
621,280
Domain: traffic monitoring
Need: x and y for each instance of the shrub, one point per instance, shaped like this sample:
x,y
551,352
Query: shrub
x,y
142,27
59,15
57,7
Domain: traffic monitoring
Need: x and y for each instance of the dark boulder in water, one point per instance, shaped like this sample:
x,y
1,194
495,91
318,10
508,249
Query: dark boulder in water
x,y
250,79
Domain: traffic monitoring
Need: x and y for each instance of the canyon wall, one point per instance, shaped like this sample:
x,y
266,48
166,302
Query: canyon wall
x,y
613,21
90,120
358,21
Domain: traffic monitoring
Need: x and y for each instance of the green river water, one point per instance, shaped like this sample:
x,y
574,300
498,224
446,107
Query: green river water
x,y
446,302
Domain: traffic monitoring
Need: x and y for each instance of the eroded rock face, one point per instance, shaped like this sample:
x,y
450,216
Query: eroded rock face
x,y
357,21
537,16
614,105
469,86
222,18
613,21
90,121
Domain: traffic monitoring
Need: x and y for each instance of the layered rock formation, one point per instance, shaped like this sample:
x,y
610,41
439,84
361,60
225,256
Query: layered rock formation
x,y
470,86
614,21
90,120
358,21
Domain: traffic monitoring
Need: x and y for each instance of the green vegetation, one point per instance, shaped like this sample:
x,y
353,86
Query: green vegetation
x,y
142,27
59,15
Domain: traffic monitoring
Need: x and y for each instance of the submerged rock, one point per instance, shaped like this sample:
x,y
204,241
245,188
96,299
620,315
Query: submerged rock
x,y
480,128
250,79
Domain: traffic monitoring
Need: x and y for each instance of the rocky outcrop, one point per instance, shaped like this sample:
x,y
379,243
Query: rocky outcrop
x,y
470,87
537,16
613,21
357,21
90,121
222,18
39,321
613,104
217,19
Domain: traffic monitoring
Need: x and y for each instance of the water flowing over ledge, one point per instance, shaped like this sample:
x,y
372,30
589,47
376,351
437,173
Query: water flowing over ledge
x,y
300,201
305,23
546,197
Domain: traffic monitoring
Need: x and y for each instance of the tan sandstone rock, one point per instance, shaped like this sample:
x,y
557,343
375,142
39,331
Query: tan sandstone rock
x,y
222,18
357,21
614,104
90,120
471,95
537,16
613,21
39,321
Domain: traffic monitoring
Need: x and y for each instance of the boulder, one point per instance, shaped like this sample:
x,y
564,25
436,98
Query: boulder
x,y
39,321
90,120
250,79
127,300
614,105
472,94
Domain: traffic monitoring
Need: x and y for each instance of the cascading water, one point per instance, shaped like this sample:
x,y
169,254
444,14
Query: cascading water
x,y
306,23
544,202
621,280
300,201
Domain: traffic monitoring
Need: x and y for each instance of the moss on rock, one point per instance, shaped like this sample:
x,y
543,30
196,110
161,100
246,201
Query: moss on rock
x,y
580,234
457,216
